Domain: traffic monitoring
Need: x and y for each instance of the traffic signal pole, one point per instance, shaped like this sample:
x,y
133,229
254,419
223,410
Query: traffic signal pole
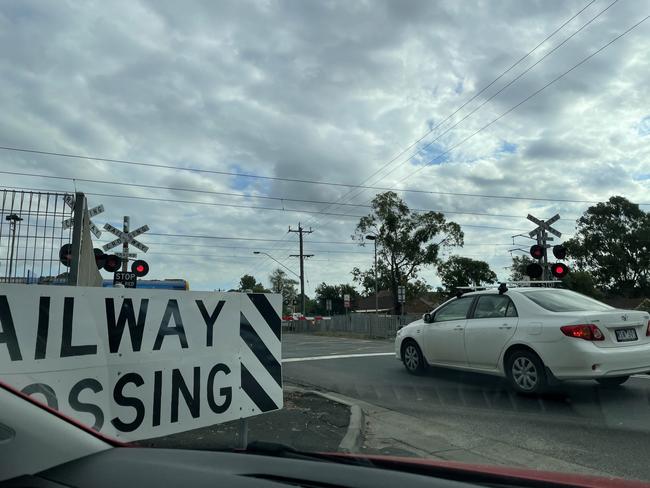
x,y
543,260
125,246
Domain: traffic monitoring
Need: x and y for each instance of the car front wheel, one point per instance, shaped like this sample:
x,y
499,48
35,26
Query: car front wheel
x,y
526,372
615,381
413,358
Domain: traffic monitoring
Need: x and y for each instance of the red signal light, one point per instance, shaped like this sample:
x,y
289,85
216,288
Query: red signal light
x,y
537,251
559,270
112,263
140,268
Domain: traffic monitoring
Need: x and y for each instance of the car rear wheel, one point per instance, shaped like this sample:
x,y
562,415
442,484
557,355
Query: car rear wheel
x,y
615,381
526,372
413,358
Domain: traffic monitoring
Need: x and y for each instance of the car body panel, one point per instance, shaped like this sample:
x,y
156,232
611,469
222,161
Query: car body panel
x,y
485,345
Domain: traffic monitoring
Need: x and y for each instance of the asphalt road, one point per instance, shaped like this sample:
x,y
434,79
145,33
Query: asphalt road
x,y
582,423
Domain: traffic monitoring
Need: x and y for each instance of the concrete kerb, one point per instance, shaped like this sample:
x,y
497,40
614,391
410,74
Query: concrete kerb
x,y
353,438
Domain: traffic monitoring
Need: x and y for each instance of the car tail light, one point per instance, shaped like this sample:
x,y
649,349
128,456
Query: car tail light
x,y
588,332
647,331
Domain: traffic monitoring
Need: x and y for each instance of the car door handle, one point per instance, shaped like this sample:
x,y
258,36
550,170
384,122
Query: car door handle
x,y
505,326
459,328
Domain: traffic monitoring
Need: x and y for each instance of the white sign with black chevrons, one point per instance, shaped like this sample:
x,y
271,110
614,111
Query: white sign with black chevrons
x,y
137,364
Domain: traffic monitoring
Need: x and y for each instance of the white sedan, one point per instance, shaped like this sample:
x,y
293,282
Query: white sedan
x,y
531,336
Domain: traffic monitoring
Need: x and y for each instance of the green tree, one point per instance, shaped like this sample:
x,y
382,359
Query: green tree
x,y
366,279
460,271
406,241
280,283
248,282
518,270
582,282
334,293
612,242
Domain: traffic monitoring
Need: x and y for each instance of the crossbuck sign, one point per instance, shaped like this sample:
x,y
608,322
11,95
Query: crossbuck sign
x,y
126,237
544,226
67,223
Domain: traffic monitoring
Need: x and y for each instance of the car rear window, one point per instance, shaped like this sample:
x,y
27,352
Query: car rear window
x,y
565,301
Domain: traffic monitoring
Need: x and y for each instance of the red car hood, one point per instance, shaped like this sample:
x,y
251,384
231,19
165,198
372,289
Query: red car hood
x,y
499,473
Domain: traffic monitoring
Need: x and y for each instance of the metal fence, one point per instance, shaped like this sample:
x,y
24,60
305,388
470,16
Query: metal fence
x,y
358,324
31,234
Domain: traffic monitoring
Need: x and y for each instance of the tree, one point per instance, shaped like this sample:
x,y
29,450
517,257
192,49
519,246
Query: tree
x,y
334,293
366,279
582,282
248,282
406,240
518,271
459,271
285,286
612,242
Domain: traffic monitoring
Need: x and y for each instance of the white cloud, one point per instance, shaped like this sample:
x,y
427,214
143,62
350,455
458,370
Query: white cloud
x,y
320,90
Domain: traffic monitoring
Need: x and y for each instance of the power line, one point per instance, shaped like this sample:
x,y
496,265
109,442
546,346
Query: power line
x,y
239,195
187,244
474,97
214,204
535,93
431,192
513,108
510,83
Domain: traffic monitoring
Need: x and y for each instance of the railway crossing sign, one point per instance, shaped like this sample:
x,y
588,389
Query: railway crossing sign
x,y
544,226
67,223
126,238
130,255
128,279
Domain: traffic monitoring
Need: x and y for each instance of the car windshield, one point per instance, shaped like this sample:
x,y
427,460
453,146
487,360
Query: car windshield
x,y
565,301
337,226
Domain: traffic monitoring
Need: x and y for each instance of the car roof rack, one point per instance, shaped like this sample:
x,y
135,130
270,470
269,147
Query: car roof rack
x,y
504,285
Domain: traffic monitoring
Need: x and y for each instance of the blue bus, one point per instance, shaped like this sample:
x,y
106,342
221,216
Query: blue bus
x,y
175,284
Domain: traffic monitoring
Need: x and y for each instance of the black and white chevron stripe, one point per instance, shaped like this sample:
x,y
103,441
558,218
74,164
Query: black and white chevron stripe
x,y
260,353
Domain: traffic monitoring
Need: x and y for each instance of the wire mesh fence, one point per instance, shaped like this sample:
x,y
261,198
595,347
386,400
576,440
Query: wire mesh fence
x,y
31,234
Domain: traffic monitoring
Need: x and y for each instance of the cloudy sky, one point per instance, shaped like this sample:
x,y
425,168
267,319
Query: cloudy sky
x,y
325,91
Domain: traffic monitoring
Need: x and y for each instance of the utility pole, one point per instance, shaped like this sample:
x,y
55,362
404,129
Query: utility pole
x,y
545,275
300,231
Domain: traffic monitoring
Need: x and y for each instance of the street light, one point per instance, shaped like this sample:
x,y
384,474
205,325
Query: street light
x,y
13,219
373,238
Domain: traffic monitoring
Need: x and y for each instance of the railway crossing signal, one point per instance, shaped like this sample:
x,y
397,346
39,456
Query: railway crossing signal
x,y
112,263
127,239
140,268
559,270
538,251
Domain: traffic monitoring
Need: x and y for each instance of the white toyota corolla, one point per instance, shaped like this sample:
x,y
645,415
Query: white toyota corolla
x,y
531,336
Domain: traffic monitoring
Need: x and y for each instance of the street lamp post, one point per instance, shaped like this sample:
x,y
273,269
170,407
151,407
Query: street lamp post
x,y
374,240
13,219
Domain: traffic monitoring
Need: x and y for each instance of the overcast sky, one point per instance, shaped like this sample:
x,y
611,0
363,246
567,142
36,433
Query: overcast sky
x,y
328,91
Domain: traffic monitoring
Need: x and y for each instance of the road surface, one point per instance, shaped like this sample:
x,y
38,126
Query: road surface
x,y
607,430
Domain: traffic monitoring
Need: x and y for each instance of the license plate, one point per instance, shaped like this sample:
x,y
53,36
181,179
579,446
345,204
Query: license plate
x,y
624,335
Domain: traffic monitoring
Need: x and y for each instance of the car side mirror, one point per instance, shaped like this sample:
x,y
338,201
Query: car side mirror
x,y
428,318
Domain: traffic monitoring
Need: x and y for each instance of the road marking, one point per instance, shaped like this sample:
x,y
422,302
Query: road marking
x,y
338,356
